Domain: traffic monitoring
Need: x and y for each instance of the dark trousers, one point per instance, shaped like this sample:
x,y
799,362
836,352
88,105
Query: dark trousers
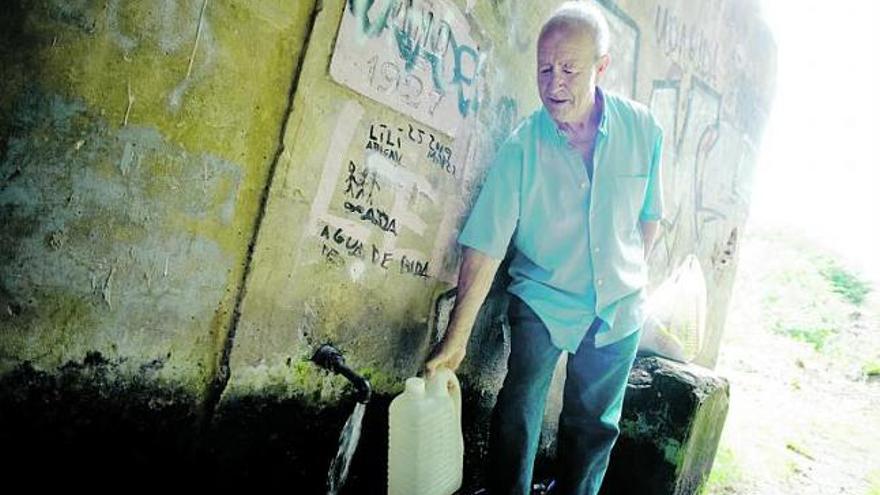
x,y
592,402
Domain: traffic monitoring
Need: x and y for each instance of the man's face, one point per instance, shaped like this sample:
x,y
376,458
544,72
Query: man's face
x,y
567,69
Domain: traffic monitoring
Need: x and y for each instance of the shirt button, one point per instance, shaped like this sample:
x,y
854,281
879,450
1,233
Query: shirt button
x,y
599,281
583,185
596,249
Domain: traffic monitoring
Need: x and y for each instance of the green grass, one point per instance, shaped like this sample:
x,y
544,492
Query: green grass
x,y
817,337
796,448
848,285
810,296
874,482
871,369
726,473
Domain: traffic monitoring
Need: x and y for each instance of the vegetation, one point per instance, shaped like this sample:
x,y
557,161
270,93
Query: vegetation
x,y
817,337
874,483
810,297
871,369
726,473
848,285
802,333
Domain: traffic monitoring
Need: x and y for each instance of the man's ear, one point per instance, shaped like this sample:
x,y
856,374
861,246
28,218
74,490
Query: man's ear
x,y
602,64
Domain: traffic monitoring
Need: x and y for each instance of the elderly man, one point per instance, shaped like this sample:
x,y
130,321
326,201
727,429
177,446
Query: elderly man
x,y
576,189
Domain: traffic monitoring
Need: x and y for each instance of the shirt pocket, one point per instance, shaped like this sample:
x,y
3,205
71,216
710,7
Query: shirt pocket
x,y
629,197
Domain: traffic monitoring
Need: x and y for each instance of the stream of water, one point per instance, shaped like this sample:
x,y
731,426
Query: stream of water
x,y
348,441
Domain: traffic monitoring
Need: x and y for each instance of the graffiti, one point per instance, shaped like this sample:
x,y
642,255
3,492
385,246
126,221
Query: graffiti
x,y
375,216
685,160
685,43
624,51
387,140
413,55
664,105
415,267
368,202
381,258
420,39
356,186
699,136
337,243
440,155
354,247
357,183
709,158
383,140
387,78
707,169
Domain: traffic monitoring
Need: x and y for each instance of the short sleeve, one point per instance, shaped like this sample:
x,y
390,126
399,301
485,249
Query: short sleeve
x,y
652,209
494,217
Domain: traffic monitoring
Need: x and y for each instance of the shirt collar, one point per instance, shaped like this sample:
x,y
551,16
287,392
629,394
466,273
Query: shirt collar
x,y
603,119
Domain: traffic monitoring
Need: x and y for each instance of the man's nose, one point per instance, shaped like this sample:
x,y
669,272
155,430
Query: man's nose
x,y
557,80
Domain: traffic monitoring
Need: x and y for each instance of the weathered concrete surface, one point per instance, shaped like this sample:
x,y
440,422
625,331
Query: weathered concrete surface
x,y
138,141
325,270
133,161
357,243
672,422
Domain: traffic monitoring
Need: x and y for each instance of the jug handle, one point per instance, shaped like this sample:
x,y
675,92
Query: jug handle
x,y
446,377
450,381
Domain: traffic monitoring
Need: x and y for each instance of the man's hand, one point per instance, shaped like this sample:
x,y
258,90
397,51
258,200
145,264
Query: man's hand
x,y
448,354
474,280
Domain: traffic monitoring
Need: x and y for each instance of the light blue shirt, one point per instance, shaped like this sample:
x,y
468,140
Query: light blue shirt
x,y
578,250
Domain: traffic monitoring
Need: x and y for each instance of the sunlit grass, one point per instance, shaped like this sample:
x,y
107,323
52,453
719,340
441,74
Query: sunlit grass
x,y
799,304
817,337
819,319
810,294
726,473
874,483
851,287
871,369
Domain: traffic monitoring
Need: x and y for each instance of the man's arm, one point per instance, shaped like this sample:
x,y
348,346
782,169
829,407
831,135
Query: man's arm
x,y
652,209
649,234
474,281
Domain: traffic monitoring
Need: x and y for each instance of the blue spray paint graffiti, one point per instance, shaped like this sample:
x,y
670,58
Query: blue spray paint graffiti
x,y
421,38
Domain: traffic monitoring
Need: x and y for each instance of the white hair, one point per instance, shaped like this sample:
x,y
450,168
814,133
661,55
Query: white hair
x,y
582,14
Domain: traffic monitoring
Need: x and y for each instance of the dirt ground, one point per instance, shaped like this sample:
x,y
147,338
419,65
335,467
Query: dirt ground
x,y
805,411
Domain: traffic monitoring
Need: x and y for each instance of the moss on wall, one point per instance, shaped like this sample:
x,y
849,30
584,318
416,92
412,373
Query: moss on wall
x,y
167,169
133,165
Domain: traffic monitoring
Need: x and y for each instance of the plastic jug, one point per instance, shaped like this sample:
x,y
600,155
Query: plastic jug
x,y
676,323
425,446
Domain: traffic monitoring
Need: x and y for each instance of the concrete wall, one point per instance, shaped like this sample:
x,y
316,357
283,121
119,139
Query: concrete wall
x,y
195,195
136,142
363,153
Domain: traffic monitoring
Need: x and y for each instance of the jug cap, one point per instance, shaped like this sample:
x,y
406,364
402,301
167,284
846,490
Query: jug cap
x,y
415,385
